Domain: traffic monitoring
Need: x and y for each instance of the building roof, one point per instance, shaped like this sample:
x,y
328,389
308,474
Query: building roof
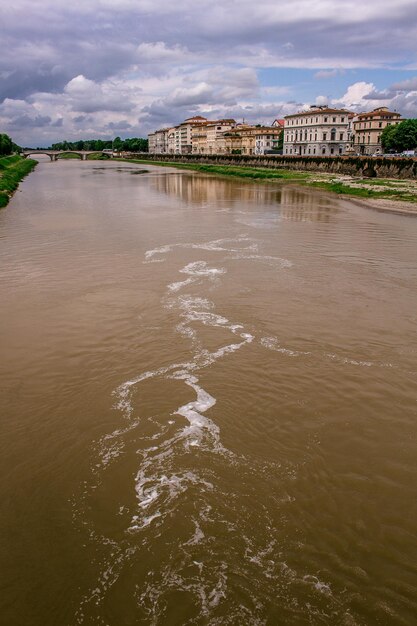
x,y
377,113
315,110
195,117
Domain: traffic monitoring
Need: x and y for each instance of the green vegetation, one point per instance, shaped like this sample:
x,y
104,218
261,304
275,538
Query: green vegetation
x,y
6,145
362,190
12,170
135,144
400,137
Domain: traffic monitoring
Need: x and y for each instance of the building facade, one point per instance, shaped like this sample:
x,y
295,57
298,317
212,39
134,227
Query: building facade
x,y
151,143
319,131
266,138
368,128
199,138
215,132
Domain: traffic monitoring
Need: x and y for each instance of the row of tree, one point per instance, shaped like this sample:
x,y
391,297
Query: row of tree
x,y
135,144
400,137
7,146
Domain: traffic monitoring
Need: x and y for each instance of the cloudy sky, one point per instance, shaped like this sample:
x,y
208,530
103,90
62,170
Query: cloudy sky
x,y
72,69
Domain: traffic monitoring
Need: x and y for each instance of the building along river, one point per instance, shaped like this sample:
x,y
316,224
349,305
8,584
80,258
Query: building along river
x,y
208,402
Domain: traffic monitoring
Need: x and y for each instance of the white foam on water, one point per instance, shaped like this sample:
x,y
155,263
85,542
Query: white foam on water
x,y
161,479
180,284
144,522
318,584
149,254
270,260
196,271
272,344
196,538
217,245
200,268
192,411
347,361
161,489
123,391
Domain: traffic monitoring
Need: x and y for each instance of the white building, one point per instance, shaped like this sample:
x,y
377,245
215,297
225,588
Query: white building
x,y
319,131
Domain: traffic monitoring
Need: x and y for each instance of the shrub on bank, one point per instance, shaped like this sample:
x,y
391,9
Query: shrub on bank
x,y
12,170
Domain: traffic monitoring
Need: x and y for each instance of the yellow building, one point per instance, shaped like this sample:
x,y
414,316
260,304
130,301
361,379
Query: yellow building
x,y
199,138
215,132
368,128
246,139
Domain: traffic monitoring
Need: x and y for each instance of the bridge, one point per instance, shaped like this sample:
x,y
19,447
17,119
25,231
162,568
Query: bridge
x,y
54,155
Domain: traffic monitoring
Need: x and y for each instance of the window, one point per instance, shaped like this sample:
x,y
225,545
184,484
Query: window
x,y
342,119
341,136
333,135
325,119
324,136
334,119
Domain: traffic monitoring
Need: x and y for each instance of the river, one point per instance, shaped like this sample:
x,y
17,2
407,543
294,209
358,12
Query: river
x,y
208,402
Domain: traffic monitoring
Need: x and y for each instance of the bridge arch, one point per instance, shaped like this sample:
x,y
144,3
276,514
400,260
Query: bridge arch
x,y
59,155
28,153
98,152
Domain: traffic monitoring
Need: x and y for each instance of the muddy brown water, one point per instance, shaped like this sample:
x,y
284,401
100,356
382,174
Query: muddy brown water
x,y
208,403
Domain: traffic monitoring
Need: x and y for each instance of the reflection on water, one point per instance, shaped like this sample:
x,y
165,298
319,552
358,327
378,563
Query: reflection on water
x,y
293,203
208,391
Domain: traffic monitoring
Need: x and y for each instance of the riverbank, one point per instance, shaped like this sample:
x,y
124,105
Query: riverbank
x,y
394,195
12,170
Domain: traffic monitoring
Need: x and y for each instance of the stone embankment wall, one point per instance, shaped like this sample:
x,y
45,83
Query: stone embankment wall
x,y
380,167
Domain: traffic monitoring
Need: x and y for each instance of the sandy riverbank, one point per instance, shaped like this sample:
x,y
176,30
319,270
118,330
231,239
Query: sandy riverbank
x,y
386,205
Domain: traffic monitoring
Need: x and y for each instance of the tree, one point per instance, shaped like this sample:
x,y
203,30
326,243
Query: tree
x,y
406,135
280,144
388,138
402,136
6,145
117,144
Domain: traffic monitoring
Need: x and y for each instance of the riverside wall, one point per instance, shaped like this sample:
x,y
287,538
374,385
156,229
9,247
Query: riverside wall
x,y
372,167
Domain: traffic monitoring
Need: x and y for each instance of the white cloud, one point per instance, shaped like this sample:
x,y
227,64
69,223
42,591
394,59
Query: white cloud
x,y
355,95
136,64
